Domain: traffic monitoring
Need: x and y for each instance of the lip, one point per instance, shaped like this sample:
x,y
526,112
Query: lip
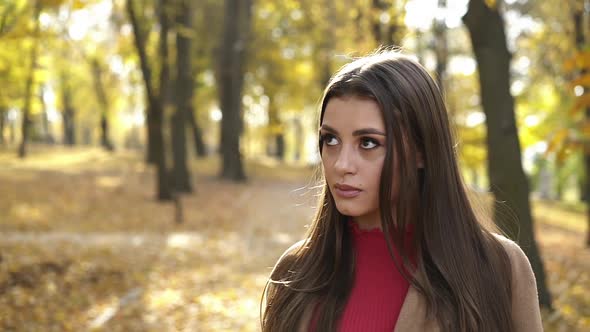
x,y
346,191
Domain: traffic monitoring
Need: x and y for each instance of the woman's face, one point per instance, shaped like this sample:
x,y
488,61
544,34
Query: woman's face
x,y
353,151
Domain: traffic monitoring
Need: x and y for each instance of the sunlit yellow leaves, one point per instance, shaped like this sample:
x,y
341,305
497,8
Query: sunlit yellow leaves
x,y
26,211
576,124
276,129
80,4
558,139
268,6
585,128
228,303
51,3
580,60
108,181
70,160
185,32
562,143
304,70
581,103
165,299
21,28
583,80
491,3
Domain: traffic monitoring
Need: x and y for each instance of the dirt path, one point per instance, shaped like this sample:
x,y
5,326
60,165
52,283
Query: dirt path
x,y
119,263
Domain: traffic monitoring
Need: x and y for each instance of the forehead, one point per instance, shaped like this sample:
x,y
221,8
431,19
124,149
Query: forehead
x,y
353,113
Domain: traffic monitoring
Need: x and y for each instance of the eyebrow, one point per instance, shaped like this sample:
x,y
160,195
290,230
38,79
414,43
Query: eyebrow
x,y
358,132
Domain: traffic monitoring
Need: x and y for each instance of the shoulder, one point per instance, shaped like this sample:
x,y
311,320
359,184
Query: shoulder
x,y
515,253
525,300
522,272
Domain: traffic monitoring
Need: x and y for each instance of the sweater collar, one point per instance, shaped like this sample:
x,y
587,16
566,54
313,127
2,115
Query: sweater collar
x,y
356,230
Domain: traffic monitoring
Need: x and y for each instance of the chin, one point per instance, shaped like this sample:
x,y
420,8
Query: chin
x,y
350,211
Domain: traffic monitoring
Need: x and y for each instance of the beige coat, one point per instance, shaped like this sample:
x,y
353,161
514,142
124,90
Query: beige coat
x,y
525,302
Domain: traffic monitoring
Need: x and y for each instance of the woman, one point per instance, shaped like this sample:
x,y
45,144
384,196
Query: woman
x,y
395,244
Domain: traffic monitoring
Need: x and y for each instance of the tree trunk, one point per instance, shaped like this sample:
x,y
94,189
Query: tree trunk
x,y
385,33
234,44
103,101
159,102
200,148
326,45
86,135
280,142
200,52
2,123
507,179
68,113
299,139
105,142
581,183
12,134
140,45
69,137
276,140
559,186
377,8
184,94
152,136
154,101
588,225
441,48
22,150
580,40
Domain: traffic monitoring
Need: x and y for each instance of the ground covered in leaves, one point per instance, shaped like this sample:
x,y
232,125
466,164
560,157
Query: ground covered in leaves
x,y
84,245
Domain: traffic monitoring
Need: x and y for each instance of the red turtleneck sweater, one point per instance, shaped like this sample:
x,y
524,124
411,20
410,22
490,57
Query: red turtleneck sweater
x,y
379,290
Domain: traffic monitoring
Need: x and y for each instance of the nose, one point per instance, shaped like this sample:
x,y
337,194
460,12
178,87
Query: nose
x,y
345,161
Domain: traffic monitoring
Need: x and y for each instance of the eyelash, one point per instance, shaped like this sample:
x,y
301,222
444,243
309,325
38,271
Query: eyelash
x,y
372,140
326,137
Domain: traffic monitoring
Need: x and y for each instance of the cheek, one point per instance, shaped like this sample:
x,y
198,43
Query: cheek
x,y
372,179
323,157
324,162
326,169
327,160
328,153
376,167
376,181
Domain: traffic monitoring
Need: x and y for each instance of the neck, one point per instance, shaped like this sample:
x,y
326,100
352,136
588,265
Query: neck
x,y
368,221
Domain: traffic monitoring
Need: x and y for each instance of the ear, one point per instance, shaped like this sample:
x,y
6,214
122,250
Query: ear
x,y
419,159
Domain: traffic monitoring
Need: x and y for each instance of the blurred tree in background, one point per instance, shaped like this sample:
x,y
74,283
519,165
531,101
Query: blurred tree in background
x,y
508,181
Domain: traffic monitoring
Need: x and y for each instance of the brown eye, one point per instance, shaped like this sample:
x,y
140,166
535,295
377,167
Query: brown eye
x,y
368,143
329,139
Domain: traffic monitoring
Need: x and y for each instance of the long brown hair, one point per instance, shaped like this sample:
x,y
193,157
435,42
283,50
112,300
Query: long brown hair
x,y
461,270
